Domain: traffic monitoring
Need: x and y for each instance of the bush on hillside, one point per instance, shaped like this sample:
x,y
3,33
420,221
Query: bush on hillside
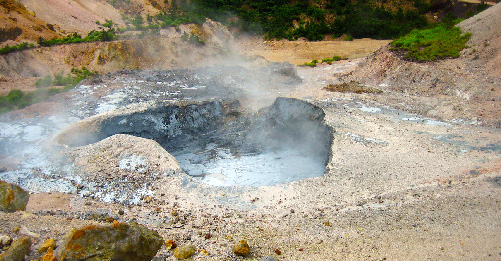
x,y
92,36
19,99
18,47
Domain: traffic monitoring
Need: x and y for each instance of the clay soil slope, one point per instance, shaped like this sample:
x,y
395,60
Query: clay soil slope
x,y
467,86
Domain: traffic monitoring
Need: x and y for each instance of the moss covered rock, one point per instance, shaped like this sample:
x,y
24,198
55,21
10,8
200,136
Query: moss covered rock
x,y
49,243
184,252
119,241
18,250
12,197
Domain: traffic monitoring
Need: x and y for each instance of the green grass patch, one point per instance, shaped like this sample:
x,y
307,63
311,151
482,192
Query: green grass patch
x,y
326,60
432,44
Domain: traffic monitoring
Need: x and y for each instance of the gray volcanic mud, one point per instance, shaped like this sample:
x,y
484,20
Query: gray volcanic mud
x,y
253,87
219,143
208,118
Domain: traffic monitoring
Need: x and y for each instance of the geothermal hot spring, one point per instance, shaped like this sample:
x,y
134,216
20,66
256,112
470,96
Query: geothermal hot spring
x,y
200,116
221,145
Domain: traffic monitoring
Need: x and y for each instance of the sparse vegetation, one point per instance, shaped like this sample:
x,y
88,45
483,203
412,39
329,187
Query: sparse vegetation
x,y
18,47
348,38
326,60
164,19
312,63
17,99
108,34
69,81
439,42
192,38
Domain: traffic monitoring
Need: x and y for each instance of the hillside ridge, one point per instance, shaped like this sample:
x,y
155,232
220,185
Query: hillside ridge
x,y
471,81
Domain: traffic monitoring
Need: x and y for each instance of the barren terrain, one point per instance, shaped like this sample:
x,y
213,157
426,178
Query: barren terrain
x,y
300,52
414,171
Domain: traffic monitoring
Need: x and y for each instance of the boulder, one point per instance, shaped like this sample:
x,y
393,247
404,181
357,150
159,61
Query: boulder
x,y
120,241
18,250
12,197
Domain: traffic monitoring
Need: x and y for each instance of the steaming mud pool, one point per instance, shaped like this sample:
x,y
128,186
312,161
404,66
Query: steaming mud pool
x,y
221,145
222,126
288,143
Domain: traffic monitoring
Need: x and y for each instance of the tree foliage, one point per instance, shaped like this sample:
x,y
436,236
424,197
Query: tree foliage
x,y
312,19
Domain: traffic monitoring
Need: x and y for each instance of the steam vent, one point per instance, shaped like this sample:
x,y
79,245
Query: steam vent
x,y
217,142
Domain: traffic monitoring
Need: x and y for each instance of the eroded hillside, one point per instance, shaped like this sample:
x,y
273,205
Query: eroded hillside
x,y
465,87
19,24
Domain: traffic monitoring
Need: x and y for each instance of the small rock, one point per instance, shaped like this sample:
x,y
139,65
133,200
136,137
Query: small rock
x,y
18,250
241,249
12,197
49,256
170,244
278,252
49,243
268,258
102,214
184,252
5,241
118,241
25,231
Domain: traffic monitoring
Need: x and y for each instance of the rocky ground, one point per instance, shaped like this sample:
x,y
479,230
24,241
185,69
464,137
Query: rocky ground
x,y
398,186
409,177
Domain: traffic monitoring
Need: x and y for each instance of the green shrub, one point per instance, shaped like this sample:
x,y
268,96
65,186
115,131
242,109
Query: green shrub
x,y
46,81
19,99
312,63
432,44
14,96
60,80
93,36
18,47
